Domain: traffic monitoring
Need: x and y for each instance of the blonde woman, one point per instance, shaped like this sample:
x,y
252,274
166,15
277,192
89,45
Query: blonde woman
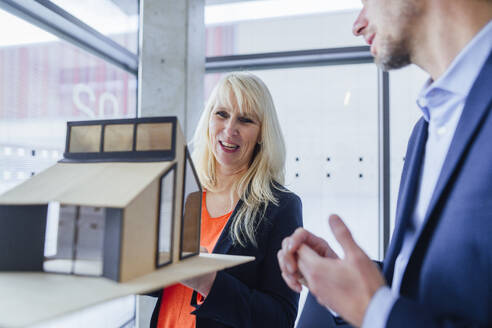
x,y
239,154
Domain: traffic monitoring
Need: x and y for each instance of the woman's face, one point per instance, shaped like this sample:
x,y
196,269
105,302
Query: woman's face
x,y
233,136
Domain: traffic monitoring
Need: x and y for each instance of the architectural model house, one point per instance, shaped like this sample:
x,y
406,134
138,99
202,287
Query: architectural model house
x,y
123,202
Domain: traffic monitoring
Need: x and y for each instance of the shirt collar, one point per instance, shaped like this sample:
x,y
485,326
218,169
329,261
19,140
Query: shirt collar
x,y
458,79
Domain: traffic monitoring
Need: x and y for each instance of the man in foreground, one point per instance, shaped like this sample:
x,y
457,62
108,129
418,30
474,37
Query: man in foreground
x,y
438,269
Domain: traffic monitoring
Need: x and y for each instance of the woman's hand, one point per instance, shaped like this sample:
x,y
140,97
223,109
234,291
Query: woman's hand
x,y
201,284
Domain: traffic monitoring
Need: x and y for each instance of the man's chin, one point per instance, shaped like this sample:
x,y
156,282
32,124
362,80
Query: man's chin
x,y
387,63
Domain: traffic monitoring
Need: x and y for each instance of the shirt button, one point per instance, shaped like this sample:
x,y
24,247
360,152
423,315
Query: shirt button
x,y
441,131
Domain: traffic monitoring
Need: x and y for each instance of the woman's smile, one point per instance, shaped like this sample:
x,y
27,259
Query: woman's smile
x,y
234,136
229,147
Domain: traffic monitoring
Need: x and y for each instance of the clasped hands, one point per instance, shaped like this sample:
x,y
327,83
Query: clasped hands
x,y
344,285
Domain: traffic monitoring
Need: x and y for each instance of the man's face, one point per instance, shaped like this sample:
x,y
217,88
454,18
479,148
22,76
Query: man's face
x,y
388,27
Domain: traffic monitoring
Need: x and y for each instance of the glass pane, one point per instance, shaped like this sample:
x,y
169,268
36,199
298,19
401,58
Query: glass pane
x,y
329,118
85,139
51,235
166,217
44,83
47,82
192,207
154,136
118,137
270,26
123,25
89,242
59,254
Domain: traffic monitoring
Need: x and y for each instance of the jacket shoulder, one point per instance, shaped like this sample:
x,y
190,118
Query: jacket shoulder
x,y
288,207
284,196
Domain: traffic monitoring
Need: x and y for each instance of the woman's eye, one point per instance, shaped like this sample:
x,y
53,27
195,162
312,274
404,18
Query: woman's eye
x,y
221,114
245,120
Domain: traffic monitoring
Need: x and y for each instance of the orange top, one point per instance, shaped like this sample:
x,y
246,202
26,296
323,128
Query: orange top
x,y
175,306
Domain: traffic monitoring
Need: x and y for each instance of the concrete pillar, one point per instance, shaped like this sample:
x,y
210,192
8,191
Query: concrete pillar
x,y
172,60
171,74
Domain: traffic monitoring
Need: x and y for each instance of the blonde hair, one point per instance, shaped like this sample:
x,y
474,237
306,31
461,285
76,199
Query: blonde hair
x,y
267,167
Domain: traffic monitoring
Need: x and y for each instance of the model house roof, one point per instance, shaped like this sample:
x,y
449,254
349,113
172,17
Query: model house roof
x,y
87,184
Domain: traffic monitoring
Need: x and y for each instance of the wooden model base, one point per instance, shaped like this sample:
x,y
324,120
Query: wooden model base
x,y
30,297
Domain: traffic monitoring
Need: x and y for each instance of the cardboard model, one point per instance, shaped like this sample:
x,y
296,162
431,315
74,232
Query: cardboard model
x,y
123,203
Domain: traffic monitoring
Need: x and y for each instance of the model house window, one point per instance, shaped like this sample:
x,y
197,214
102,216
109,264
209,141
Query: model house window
x,y
118,137
85,139
154,136
59,245
166,215
74,240
89,236
192,199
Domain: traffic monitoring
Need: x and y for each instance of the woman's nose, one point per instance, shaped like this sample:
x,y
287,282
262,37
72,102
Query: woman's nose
x,y
231,128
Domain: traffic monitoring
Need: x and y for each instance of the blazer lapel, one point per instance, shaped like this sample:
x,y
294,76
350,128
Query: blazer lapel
x,y
475,110
476,107
407,194
224,242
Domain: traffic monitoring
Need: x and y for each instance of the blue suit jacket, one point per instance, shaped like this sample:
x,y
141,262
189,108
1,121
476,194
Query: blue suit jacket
x,y
448,279
253,294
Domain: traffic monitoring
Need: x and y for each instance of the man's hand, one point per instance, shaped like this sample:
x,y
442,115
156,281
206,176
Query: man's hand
x,y
201,284
344,285
287,256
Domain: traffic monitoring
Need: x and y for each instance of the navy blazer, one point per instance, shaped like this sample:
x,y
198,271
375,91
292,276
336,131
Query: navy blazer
x,y
448,279
253,294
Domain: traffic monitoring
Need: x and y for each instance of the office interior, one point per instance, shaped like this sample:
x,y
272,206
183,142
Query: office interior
x,y
345,122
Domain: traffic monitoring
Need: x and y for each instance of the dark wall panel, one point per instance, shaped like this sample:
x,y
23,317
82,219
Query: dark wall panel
x,y
22,235
112,243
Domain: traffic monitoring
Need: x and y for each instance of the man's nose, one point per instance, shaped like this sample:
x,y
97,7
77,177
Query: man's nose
x,y
360,23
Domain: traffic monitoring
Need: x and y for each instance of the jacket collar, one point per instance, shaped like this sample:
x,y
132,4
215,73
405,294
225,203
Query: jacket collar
x,y
407,194
476,106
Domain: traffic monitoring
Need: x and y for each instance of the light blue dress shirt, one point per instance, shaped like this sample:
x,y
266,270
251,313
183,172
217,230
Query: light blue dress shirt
x,y
441,103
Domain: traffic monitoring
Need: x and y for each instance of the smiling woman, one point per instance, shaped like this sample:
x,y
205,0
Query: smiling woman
x,y
239,154
241,112
234,135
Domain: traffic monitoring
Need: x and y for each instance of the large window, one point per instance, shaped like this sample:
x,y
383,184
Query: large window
x,y
346,127
246,27
46,82
254,34
329,118
123,28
